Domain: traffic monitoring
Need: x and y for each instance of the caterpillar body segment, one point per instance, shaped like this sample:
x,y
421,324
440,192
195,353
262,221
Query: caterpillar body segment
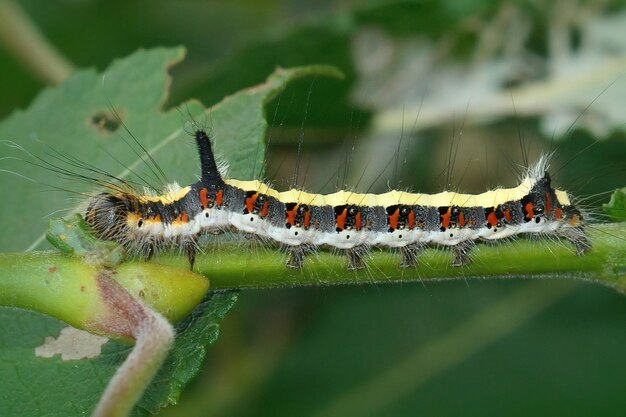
x,y
349,222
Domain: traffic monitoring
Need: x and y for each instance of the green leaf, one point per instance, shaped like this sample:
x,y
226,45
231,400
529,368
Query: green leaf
x,y
74,237
616,207
64,120
36,386
74,119
195,333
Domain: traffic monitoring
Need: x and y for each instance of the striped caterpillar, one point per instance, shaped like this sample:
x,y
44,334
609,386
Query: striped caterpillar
x,y
345,221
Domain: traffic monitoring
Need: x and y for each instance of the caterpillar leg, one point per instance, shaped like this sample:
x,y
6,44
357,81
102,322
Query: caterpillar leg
x,y
148,252
296,256
355,258
461,253
410,254
190,250
577,237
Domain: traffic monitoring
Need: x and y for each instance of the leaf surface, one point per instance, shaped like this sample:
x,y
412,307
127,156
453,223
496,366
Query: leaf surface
x,y
78,120
616,207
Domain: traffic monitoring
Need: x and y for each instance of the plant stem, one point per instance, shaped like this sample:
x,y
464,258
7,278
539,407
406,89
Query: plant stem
x,y
236,265
22,38
67,287
51,283
153,337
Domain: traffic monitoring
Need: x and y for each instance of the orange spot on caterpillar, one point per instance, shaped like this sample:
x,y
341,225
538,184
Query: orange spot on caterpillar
x,y
134,220
411,219
265,209
507,215
575,220
558,213
219,197
492,219
461,219
291,215
445,218
204,198
184,217
307,219
393,219
548,203
340,220
155,219
250,202
357,221
529,210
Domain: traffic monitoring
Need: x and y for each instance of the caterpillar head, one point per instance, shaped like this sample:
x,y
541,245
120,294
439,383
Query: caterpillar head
x,y
106,214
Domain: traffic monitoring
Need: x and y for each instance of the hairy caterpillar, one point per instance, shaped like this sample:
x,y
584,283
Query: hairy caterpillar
x,y
346,221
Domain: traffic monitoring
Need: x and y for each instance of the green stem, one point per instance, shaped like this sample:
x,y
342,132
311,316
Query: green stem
x,y
24,40
67,287
241,266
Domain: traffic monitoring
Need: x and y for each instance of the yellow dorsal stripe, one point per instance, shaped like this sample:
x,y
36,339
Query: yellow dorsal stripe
x,y
167,198
490,198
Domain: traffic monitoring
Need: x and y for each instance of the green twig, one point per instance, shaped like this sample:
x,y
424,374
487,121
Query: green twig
x,y
25,278
239,266
68,288
22,38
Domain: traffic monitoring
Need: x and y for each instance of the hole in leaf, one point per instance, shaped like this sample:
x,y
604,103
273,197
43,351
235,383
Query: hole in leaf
x,y
106,121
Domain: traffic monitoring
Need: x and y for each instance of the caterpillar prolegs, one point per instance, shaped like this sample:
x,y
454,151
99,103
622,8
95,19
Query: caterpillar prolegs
x,y
346,221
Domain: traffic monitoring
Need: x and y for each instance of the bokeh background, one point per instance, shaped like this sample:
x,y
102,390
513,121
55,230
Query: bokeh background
x,y
437,94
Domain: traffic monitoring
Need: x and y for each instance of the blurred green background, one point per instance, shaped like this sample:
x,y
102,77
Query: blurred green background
x,y
426,82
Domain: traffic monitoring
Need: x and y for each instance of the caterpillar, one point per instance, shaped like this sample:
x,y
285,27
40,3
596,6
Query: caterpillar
x,y
346,221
